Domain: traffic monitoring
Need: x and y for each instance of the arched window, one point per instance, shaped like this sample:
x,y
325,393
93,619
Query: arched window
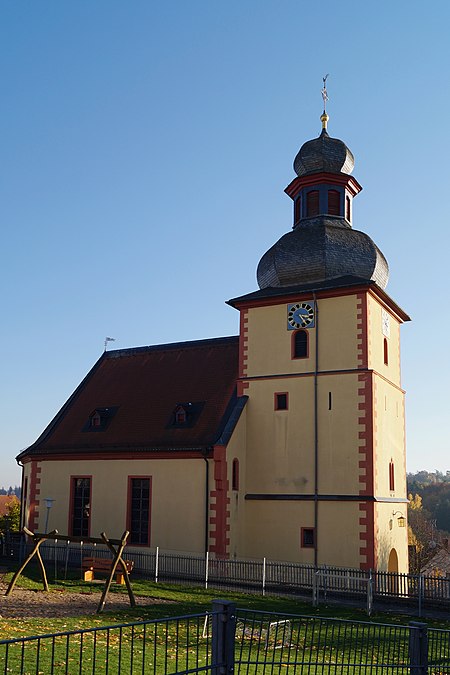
x,y
334,203
391,476
297,210
235,474
386,351
312,203
300,344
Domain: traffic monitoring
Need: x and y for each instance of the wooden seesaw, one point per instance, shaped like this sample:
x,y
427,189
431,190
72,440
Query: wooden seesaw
x,y
116,547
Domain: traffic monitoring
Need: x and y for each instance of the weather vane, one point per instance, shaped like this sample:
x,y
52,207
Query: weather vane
x,y
324,92
108,339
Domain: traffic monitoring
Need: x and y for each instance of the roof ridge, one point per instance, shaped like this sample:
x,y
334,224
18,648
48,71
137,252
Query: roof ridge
x,y
188,344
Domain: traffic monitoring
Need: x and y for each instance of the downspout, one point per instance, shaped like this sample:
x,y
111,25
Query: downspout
x,y
22,511
22,495
316,437
206,505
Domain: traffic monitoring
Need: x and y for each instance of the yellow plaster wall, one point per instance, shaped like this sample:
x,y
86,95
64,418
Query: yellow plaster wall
x,y
389,438
280,443
274,532
376,342
269,341
389,535
178,498
339,428
236,449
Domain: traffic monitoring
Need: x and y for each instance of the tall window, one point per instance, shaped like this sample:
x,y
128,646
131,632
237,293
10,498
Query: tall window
x,y
391,476
235,474
312,203
139,511
81,506
334,203
300,344
348,209
385,352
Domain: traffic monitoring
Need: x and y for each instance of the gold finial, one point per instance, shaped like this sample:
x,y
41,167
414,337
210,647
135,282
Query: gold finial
x,y
324,117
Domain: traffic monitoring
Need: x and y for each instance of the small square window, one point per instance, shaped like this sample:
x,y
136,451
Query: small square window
x,y
307,537
281,401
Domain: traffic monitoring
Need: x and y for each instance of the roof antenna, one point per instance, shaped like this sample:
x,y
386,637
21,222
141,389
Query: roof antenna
x,y
108,339
324,117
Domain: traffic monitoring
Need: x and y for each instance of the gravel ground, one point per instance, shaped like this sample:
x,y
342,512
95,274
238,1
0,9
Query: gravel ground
x,y
26,603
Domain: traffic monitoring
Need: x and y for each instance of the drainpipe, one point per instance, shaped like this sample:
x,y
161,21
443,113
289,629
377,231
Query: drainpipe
x,y
316,437
206,504
22,494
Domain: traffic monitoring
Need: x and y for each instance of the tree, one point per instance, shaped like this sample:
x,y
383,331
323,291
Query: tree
x,y
10,522
423,535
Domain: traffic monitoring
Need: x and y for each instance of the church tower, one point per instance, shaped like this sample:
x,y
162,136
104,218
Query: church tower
x,y
325,474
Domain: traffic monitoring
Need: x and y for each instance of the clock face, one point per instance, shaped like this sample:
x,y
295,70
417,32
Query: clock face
x,y
385,323
300,315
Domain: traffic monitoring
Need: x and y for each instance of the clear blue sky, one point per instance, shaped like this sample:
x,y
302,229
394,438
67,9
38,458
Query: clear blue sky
x,y
144,149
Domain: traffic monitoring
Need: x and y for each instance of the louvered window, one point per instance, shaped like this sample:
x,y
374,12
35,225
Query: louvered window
x,y
312,203
334,203
300,344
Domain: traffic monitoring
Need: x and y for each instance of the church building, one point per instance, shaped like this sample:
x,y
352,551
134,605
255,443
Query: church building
x,y
285,442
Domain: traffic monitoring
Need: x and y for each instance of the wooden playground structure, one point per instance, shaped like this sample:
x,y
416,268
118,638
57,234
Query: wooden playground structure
x,y
115,546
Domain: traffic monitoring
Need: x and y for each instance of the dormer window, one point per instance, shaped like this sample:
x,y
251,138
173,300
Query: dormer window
x,y
95,419
180,415
185,415
100,418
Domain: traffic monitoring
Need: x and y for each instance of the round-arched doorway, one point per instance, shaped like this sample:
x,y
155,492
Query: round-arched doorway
x,y
393,561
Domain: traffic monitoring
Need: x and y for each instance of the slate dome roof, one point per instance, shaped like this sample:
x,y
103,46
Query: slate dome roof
x,y
322,248
324,154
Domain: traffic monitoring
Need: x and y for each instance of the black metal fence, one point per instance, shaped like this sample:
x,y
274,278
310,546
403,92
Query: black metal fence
x,y
228,640
264,576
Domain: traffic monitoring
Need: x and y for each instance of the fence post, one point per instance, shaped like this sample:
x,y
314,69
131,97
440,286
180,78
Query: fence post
x,y
315,589
420,589
264,577
156,564
206,569
369,594
418,648
223,636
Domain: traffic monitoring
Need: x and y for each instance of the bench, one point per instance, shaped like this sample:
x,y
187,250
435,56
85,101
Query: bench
x,y
92,565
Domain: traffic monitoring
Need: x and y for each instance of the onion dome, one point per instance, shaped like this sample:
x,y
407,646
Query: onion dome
x,y
324,154
323,245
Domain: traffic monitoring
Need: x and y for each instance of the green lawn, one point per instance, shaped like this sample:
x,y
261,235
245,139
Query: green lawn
x,y
171,647
175,601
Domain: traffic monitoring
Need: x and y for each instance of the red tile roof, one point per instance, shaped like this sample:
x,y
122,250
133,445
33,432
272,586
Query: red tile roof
x,y
146,384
